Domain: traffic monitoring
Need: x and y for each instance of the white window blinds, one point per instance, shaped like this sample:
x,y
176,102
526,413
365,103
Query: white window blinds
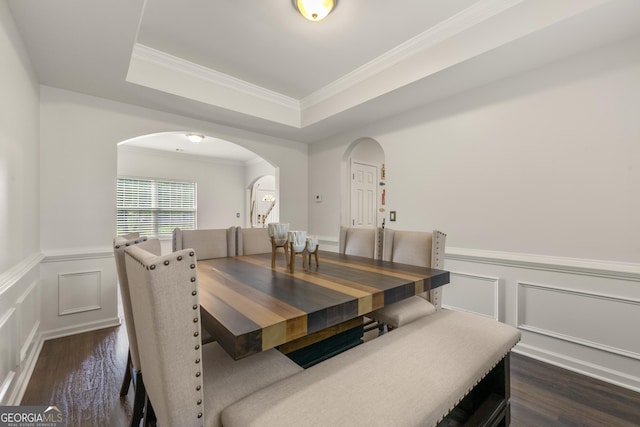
x,y
155,207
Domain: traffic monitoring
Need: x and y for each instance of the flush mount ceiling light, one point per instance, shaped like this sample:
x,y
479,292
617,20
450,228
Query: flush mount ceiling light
x,y
314,10
195,138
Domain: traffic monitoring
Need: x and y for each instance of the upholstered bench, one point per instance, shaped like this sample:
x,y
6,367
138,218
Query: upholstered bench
x,y
447,364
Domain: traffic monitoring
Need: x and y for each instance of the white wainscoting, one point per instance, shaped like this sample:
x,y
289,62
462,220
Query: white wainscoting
x,y
8,354
578,314
20,340
51,296
28,308
79,292
588,322
474,293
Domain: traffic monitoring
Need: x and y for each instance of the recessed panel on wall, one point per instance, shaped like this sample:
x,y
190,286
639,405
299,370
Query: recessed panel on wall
x,y
28,308
597,320
8,363
474,293
79,292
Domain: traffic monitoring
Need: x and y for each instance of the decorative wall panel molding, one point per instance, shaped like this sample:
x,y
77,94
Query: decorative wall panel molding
x,y
28,308
465,296
79,291
8,351
594,321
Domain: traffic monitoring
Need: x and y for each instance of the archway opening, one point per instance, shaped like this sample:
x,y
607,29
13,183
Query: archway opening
x,y
363,184
221,171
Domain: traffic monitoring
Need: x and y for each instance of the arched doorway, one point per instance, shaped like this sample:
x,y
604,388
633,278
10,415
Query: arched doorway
x,y
364,184
221,171
264,204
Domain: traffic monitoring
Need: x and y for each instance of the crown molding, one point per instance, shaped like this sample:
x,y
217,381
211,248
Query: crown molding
x,y
163,59
458,23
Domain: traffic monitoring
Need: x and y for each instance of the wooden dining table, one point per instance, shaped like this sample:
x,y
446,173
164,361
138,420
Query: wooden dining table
x,y
250,307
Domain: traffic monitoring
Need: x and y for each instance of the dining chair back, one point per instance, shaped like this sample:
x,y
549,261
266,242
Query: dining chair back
x,y
253,241
168,334
358,241
120,243
129,236
208,243
424,249
133,370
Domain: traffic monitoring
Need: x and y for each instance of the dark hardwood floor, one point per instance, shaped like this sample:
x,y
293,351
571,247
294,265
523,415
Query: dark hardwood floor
x,y
546,395
82,375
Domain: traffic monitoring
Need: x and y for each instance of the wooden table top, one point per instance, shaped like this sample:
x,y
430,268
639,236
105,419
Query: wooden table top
x,y
250,308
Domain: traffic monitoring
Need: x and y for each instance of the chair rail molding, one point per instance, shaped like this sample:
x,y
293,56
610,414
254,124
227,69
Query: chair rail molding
x,y
17,272
79,254
586,267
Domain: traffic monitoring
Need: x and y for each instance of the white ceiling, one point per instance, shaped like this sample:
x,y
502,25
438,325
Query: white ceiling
x,y
258,65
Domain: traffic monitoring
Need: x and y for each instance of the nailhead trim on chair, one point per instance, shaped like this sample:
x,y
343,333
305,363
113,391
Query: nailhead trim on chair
x,y
196,334
437,261
135,242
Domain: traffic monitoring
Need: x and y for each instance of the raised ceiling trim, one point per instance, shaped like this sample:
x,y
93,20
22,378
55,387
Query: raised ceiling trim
x,y
458,23
175,63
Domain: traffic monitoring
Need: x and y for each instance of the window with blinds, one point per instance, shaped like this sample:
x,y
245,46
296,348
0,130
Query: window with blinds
x,y
155,207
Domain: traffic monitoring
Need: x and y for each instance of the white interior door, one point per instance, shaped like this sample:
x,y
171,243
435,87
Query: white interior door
x,y
364,192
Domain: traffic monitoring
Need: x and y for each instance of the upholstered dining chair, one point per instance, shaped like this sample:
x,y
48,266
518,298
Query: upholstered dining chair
x,y
133,373
358,241
208,243
253,241
188,383
424,249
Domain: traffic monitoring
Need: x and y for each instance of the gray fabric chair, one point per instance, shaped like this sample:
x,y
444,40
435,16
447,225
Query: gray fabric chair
x,y
208,243
358,241
253,241
424,249
133,371
188,383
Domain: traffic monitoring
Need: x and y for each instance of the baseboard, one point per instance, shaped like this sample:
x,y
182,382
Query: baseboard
x,y
579,366
23,379
78,329
25,375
